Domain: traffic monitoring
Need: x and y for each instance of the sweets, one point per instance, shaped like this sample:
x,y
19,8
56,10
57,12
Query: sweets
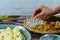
x,y
41,25
9,34
32,22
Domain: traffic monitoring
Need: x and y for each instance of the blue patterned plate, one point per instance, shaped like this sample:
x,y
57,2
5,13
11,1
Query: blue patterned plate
x,y
25,33
50,37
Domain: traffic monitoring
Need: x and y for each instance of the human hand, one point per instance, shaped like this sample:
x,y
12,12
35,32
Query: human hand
x,y
42,11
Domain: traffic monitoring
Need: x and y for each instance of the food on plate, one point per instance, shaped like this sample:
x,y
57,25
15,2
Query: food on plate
x,y
9,34
32,22
42,25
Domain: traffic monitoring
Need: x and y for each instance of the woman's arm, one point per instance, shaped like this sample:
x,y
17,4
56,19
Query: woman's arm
x,y
56,9
42,11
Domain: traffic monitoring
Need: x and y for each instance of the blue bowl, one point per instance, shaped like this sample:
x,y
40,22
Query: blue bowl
x,y
50,37
25,33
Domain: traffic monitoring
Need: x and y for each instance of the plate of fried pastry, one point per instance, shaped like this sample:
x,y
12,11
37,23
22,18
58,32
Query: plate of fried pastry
x,y
51,25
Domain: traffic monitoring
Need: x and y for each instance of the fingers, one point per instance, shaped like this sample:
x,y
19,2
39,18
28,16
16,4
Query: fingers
x,y
37,10
43,12
39,15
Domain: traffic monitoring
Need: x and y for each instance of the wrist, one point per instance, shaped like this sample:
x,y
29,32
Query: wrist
x,y
56,9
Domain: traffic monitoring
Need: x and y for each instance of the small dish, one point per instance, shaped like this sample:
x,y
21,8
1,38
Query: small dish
x,y
50,37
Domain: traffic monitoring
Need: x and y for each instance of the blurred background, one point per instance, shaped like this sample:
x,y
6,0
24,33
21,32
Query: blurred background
x,y
23,7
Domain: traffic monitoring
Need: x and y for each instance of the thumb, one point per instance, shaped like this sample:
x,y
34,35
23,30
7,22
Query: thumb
x,y
39,15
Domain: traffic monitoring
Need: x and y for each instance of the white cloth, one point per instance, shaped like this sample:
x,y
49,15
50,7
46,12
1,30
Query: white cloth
x,y
23,7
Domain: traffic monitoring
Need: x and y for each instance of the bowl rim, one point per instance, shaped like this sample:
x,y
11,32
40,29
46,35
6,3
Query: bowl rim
x,y
49,35
10,23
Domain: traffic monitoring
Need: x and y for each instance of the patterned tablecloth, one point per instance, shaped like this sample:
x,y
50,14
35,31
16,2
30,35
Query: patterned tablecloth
x,y
19,20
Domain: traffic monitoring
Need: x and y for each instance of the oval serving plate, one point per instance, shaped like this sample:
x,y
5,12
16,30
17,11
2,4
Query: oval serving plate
x,y
22,29
50,37
37,29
